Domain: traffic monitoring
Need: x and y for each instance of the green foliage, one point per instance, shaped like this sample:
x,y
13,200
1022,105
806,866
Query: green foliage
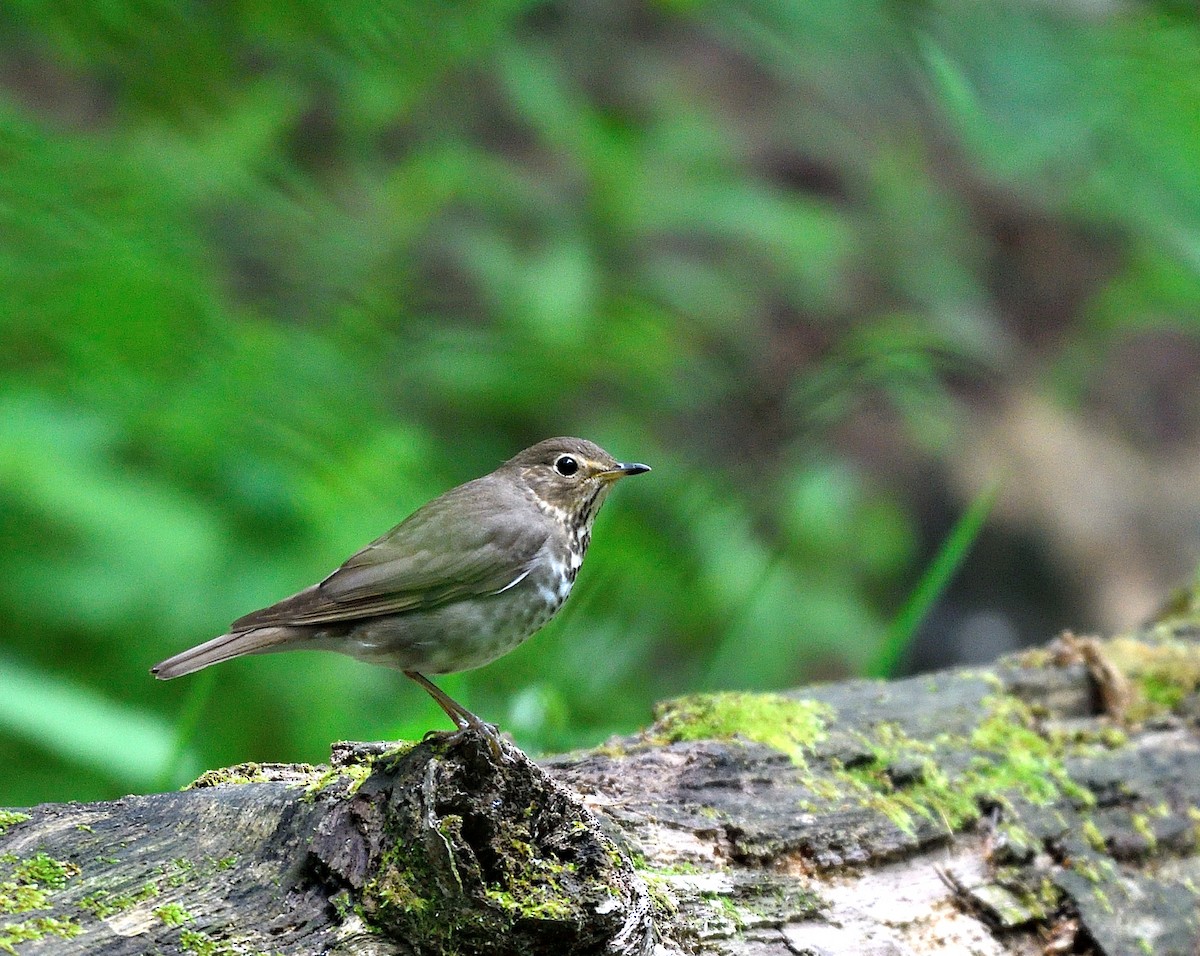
x,y
272,275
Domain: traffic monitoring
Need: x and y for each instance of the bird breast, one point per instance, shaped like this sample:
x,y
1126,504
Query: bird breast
x,y
553,578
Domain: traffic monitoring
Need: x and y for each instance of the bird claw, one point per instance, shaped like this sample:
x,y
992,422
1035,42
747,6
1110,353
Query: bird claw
x,y
489,732
463,719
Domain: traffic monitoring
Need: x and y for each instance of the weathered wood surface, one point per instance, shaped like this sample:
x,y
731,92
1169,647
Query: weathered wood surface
x,y
1044,805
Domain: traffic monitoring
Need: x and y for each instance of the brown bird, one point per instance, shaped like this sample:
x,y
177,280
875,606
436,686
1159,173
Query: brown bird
x,y
460,582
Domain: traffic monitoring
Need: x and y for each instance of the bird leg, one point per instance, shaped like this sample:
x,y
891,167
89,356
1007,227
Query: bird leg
x,y
463,719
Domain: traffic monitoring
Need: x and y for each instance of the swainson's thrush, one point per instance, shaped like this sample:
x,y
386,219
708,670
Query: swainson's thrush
x,y
458,583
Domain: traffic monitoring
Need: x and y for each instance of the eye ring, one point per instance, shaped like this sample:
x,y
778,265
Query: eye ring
x,y
566,465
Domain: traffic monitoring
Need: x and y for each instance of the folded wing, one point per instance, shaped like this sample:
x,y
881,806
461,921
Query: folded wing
x,y
463,544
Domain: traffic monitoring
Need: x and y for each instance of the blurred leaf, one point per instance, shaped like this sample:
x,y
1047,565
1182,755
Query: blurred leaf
x,y
77,724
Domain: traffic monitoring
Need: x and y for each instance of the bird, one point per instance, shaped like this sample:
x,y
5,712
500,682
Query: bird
x,y
461,581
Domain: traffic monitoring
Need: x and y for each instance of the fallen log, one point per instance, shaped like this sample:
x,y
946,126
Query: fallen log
x,y
1046,804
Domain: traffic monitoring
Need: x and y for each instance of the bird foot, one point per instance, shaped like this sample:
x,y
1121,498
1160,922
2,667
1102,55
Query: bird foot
x,y
489,732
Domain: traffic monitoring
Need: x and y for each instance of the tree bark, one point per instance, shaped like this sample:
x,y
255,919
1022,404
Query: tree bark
x,y
1047,804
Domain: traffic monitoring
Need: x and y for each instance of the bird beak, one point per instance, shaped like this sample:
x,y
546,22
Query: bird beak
x,y
630,468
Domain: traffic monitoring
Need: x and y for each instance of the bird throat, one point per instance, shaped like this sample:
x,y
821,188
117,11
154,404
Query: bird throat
x,y
577,523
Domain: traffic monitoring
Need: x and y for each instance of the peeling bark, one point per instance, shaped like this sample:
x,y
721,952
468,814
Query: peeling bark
x,y
1049,803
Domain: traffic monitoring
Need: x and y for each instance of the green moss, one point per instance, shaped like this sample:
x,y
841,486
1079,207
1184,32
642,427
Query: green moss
x,y
681,868
1019,843
942,780
31,881
198,943
201,944
39,927
1017,758
178,871
1004,756
534,889
172,914
787,725
103,904
355,774
1141,826
10,818
242,773
18,898
43,869
1087,869
395,888
725,908
1035,658
447,907
662,899
1162,672
29,886
544,906
343,904
1070,739
1093,836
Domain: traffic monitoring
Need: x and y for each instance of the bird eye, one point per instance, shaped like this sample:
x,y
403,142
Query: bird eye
x,y
566,466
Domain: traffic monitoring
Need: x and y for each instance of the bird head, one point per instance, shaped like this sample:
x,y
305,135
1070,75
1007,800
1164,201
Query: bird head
x,y
570,476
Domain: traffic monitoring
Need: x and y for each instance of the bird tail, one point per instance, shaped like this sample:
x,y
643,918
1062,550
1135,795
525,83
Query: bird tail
x,y
260,640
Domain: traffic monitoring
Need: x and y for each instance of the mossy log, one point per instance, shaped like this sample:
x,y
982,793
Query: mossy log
x,y
1048,804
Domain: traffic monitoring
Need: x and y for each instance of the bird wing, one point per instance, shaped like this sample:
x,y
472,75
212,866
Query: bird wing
x,y
463,544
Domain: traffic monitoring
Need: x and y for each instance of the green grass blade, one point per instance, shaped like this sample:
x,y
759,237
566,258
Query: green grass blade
x,y
933,582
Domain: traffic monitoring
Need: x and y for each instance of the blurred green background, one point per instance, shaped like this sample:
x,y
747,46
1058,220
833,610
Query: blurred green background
x,y
274,274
